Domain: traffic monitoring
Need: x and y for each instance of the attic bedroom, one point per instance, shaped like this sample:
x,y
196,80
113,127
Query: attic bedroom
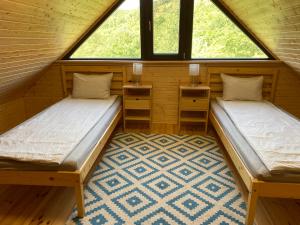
x,y
150,112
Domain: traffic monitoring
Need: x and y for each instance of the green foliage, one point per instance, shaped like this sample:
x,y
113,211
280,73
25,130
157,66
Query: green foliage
x,y
166,26
214,35
117,37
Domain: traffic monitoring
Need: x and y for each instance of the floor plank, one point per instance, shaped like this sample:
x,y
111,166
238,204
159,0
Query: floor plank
x,y
35,205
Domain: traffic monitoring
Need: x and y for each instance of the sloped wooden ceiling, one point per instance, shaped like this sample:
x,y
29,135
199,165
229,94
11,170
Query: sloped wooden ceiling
x,y
274,22
34,33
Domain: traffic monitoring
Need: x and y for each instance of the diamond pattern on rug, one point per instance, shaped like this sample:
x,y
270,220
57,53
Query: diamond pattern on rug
x,y
225,173
199,141
163,159
128,139
144,148
103,168
190,205
223,219
163,140
205,161
186,172
134,202
162,185
112,183
162,179
182,150
213,188
121,157
159,217
140,170
237,205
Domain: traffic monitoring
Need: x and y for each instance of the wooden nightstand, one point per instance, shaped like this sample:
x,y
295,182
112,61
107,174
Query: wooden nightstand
x,y
193,109
137,106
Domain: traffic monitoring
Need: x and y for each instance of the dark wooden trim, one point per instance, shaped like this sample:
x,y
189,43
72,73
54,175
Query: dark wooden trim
x,y
186,29
95,27
242,28
151,55
146,16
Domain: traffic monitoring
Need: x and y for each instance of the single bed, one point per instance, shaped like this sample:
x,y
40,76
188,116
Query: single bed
x,y
259,180
73,168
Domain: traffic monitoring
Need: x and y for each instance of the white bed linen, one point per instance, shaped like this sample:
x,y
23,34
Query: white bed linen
x,y
272,133
50,136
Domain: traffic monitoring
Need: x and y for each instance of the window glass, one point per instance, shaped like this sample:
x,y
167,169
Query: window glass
x,y
215,36
117,37
166,14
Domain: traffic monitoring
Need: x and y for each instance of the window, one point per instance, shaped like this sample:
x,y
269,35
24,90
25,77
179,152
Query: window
x,y
166,26
215,36
117,37
168,29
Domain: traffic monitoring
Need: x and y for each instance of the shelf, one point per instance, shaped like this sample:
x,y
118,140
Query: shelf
x,y
137,92
198,87
193,109
195,93
194,114
147,97
137,102
134,126
137,86
137,118
193,119
197,128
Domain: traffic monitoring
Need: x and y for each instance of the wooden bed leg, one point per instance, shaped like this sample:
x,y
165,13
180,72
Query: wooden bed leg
x,y
80,199
251,207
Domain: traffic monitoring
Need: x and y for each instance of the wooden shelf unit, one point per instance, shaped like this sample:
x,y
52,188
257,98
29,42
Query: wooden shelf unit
x,y
137,106
193,109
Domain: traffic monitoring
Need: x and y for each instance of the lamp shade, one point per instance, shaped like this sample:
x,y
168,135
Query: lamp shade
x,y
194,69
137,68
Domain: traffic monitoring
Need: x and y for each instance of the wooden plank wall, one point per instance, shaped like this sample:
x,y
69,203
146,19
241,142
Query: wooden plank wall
x,y
46,91
34,33
11,114
165,77
275,23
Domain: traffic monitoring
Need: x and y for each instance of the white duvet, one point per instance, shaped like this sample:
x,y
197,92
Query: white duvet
x,y
50,136
272,133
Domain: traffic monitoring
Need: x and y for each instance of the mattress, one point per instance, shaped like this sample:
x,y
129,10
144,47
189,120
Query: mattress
x,y
248,155
78,155
271,132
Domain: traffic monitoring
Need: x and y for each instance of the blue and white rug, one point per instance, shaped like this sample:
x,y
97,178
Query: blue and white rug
x,y
162,179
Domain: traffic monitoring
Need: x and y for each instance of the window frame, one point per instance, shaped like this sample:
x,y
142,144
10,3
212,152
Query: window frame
x,y
185,34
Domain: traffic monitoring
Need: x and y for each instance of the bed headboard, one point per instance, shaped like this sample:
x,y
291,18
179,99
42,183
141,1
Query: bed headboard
x,y
116,84
269,83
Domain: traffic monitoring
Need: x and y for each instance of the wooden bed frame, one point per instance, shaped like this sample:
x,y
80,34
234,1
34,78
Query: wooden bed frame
x,y
257,188
72,178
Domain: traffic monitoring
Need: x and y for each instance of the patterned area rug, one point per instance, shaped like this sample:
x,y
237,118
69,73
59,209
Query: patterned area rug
x,y
162,179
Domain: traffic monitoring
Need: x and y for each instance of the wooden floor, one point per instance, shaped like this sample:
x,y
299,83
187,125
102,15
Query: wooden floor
x,y
35,205
45,206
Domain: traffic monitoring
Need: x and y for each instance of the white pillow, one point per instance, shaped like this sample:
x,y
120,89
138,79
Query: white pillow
x,y
91,85
237,88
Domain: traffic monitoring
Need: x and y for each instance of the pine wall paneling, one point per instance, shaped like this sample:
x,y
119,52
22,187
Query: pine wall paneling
x,y
275,23
288,91
34,33
11,114
45,92
165,77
